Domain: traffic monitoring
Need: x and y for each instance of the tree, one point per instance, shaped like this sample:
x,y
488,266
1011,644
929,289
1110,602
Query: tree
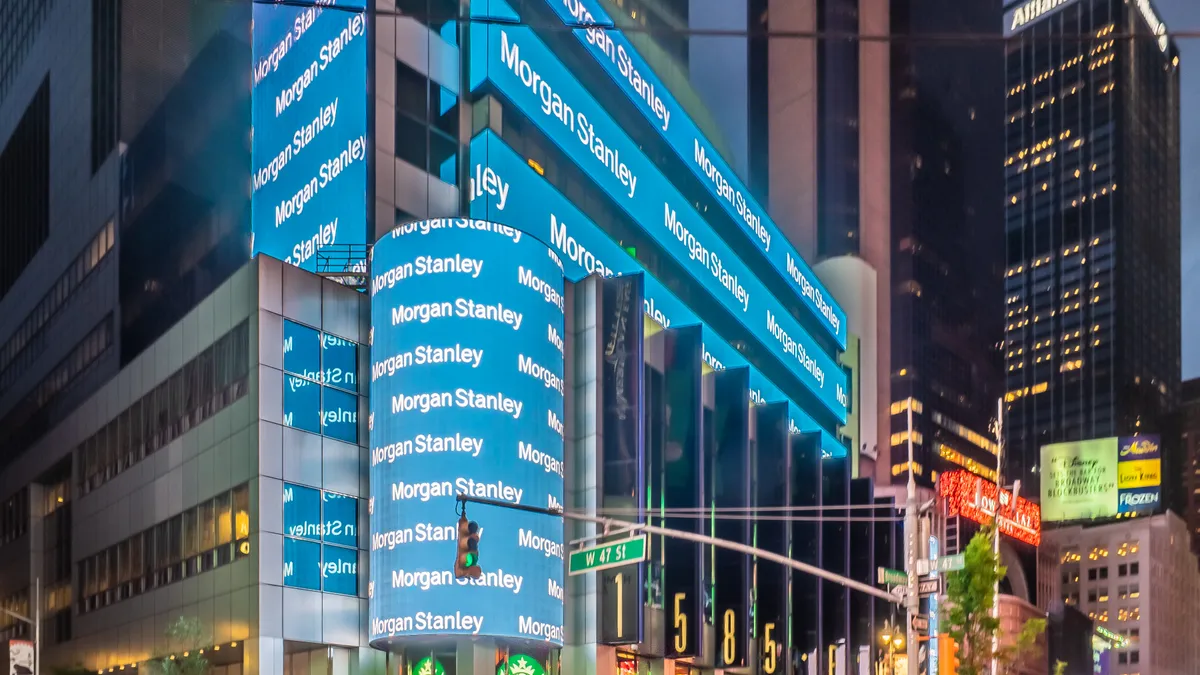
x,y
185,637
971,593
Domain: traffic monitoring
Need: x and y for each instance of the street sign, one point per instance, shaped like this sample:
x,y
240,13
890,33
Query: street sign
x,y
605,556
950,563
899,591
892,577
919,622
926,587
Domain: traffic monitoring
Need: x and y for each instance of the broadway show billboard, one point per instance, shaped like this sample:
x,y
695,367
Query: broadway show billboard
x,y
1101,478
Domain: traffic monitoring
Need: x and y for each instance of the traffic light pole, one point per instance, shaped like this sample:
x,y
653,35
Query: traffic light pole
x,y
693,537
911,553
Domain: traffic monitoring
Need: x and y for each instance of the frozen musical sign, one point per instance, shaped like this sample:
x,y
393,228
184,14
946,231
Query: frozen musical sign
x,y
466,398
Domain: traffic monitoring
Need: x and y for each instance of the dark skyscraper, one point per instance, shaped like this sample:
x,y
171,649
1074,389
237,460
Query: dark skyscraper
x,y
1092,288
947,248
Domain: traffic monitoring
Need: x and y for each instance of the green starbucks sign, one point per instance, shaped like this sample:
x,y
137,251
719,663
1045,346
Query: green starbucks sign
x,y
428,666
520,664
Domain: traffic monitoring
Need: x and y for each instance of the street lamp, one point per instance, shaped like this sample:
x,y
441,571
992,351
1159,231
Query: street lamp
x,y
892,638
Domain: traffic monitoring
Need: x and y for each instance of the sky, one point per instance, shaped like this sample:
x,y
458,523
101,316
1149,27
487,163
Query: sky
x,y
1185,15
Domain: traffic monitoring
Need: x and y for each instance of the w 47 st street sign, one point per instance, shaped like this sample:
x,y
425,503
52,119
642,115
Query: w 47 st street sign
x,y
604,556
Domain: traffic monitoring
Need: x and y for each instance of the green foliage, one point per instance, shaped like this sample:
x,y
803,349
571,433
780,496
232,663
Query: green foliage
x,y
971,594
185,637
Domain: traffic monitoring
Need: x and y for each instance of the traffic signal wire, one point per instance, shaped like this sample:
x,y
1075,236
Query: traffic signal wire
x,y
762,554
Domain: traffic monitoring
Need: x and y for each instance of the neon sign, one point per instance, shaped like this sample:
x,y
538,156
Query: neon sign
x,y
973,497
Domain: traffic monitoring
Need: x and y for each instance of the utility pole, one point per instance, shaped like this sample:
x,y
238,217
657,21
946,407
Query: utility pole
x,y
911,551
996,523
36,622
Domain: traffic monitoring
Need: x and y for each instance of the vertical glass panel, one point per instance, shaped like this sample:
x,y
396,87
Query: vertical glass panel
x,y
301,350
301,511
208,527
241,512
301,563
224,506
340,362
339,570
301,404
340,519
339,417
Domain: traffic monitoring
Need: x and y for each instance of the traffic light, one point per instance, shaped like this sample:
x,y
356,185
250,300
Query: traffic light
x,y
467,562
948,658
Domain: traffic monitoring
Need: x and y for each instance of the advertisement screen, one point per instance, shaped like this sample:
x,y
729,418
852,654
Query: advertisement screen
x,y
466,398
309,147
504,188
1100,478
524,70
617,55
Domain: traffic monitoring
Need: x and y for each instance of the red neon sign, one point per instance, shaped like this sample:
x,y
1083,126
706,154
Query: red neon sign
x,y
971,496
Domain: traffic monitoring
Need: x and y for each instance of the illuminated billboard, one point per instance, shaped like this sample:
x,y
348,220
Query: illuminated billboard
x,y
524,70
466,398
309,149
504,188
970,496
618,57
1028,12
1101,478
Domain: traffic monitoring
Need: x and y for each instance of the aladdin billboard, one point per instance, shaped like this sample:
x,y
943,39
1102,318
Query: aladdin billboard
x,y
1101,478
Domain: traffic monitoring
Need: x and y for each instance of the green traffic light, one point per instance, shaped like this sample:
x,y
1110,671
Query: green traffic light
x,y
471,560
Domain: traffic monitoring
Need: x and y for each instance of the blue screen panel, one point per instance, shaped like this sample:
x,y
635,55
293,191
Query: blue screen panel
x,y
633,76
521,67
301,564
504,188
339,570
466,397
309,149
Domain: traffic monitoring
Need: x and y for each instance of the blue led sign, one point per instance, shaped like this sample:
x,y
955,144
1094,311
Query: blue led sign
x,y
466,397
613,51
309,149
504,188
524,70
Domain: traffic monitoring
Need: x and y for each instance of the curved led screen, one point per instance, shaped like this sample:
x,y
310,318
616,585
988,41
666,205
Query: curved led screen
x,y
466,397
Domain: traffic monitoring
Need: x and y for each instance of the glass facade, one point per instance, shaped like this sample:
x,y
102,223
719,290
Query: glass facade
x,y
1092,221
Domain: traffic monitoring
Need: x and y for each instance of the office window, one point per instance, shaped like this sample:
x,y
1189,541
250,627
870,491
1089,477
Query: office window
x,y
1135,657
320,382
106,71
202,387
1092,572
200,539
426,124
25,189
1133,569
1122,570
1092,595
320,540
